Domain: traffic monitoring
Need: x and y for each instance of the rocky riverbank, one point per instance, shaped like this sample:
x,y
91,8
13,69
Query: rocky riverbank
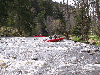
x,y
31,56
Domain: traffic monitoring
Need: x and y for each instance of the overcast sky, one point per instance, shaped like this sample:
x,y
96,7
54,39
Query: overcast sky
x,y
70,2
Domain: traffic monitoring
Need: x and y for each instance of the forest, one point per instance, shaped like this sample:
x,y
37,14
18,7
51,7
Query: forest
x,y
34,17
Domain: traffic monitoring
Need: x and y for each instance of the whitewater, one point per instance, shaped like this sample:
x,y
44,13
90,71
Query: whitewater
x,y
33,56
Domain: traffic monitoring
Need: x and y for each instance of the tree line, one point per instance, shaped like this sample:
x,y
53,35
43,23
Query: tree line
x,y
31,17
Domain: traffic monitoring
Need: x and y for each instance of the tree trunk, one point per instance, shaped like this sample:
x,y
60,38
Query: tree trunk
x,y
99,40
67,36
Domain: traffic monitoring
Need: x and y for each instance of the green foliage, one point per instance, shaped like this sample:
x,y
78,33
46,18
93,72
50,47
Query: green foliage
x,y
3,12
10,31
82,23
20,14
25,15
77,38
78,24
94,37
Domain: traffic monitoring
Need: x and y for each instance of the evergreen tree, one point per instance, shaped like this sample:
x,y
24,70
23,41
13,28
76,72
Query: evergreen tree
x,y
82,24
3,12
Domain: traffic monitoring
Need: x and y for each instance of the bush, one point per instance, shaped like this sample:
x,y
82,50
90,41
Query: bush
x,y
94,37
78,38
9,31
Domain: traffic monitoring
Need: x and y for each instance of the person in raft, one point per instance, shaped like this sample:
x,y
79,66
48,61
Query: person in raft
x,y
50,37
55,36
40,35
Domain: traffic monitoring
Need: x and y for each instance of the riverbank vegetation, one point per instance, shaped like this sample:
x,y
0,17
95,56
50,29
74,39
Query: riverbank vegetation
x,y
92,39
34,17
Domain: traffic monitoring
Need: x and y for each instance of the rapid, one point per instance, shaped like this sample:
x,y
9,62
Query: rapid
x,y
33,56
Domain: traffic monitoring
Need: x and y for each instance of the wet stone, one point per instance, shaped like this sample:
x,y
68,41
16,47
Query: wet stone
x,y
96,50
92,53
14,57
34,58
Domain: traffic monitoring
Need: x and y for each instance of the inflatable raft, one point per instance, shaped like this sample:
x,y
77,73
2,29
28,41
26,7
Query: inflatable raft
x,y
54,40
39,36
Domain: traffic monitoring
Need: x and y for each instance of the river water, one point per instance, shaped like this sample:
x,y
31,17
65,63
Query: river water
x,y
33,56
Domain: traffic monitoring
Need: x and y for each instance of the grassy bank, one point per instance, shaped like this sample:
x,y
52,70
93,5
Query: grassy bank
x,y
92,39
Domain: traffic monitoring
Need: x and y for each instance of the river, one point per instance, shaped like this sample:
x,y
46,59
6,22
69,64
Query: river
x,y
33,56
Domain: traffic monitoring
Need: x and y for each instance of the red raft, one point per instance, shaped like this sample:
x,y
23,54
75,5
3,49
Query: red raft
x,y
54,40
39,36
